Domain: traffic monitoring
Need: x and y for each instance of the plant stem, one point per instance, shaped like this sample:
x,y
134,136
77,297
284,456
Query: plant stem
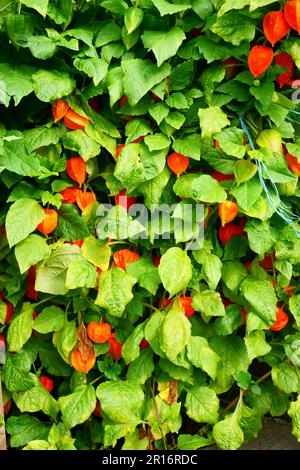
x,y
45,300
158,419
152,307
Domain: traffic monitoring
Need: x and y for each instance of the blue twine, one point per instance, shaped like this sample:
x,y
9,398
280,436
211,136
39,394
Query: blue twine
x,y
276,204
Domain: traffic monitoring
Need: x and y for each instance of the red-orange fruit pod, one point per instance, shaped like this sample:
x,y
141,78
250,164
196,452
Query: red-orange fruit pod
x,y
123,101
95,104
69,195
293,164
144,344
178,163
275,26
115,348
259,60
220,177
284,60
82,364
244,314
292,14
282,320
98,332
164,305
76,169
119,149
186,304
123,200
47,382
229,231
97,410
59,110
124,257
7,406
75,121
228,211
49,223
85,198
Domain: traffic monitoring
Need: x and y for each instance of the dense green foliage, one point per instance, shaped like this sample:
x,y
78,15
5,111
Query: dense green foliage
x,y
200,379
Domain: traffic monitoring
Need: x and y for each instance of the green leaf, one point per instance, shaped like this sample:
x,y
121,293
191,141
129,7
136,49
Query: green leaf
x,y
25,428
40,47
108,33
51,275
286,378
232,5
146,274
262,298
257,345
211,270
140,76
175,270
30,251
190,146
294,413
234,358
93,67
228,434
38,5
96,252
234,28
20,328
15,82
212,121
294,305
80,141
153,189
52,85
209,303
189,442
77,407
233,274
16,372
206,189
152,332
231,142
202,405
230,322
175,333
133,18
163,44
81,273
15,158
131,347
157,142
136,165
167,8
65,340
36,399
159,111
115,291
177,100
38,444
244,171
70,225
121,401
22,218
202,356
141,368
137,128
50,319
